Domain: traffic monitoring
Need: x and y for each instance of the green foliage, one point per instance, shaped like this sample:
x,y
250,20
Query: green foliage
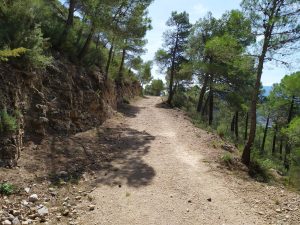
x,y
155,88
259,170
280,37
36,45
223,49
162,57
19,26
172,56
8,53
291,84
235,23
227,158
269,15
222,130
6,189
8,123
294,173
293,131
179,100
293,134
215,52
43,27
144,72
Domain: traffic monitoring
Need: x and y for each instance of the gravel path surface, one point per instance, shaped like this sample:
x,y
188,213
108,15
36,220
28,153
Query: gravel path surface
x,y
170,184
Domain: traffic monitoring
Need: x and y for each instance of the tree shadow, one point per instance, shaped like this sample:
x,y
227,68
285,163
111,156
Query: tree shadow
x,y
129,110
113,155
163,105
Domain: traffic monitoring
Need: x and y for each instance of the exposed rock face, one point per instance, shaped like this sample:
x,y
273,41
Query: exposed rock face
x,y
63,100
8,151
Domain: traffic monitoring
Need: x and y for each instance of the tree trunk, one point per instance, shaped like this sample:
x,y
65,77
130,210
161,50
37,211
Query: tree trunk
x,y
80,31
211,106
175,87
262,150
232,124
287,153
87,43
280,148
121,69
113,56
274,140
79,37
205,106
290,116
246,126
171,91
237,125
109,60
269,26
172,74
97,42
247,150
288,146
202,92
70,19
69,22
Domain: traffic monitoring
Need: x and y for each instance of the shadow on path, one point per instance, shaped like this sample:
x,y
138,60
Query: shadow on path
x,y
163,105
113,156
129,110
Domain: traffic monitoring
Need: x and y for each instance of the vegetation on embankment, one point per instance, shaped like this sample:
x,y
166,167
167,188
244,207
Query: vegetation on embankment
x,y
64,64
226,57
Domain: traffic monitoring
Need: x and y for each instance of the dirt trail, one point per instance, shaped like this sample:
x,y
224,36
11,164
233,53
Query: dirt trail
x,y
170,184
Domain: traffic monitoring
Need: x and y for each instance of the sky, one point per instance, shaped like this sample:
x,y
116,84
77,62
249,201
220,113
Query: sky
x,y
160,11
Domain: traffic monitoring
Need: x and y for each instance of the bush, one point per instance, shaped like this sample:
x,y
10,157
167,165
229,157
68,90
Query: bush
x,y
221,130
19,28
8,53
6,189
36,45
227,158
294,173
155,88
179,100
259,170
8,123
126,100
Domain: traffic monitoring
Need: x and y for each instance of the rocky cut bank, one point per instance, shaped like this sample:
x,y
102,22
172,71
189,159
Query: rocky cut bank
x,y
59,101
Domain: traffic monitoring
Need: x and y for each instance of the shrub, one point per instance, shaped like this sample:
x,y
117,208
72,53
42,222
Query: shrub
x,y
259,170
36,46
227,158
155,88
19,28
8,123
6,189
179,100
8,53
221,130
126,100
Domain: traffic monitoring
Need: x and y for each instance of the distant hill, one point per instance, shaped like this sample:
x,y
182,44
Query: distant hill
x,y
267,90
